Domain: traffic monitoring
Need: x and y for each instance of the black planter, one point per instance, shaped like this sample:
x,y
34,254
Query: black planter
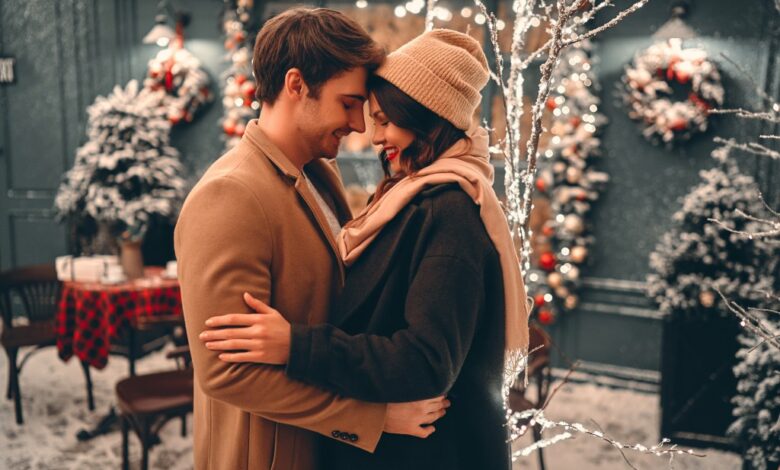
x,y
697,381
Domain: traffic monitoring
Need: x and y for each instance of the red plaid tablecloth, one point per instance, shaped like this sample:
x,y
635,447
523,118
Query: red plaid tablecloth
x,y
91,315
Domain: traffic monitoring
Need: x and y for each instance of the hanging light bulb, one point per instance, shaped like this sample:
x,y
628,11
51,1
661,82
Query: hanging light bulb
x,y
160,34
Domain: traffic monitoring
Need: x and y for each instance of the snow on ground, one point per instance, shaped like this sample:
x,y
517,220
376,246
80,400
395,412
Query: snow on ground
x,y
627,416
54,404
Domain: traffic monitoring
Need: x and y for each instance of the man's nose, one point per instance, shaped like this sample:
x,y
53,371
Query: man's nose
x,y
358,122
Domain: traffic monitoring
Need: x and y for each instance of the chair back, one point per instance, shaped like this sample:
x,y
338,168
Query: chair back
x,y
38,289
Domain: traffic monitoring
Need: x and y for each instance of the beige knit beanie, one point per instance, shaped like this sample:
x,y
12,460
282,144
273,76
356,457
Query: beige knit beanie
x,y
443,70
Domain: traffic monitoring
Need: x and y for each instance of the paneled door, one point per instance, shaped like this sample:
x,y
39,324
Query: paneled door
x,y
66,52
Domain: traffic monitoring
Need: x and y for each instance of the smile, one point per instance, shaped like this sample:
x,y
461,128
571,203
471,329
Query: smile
x,y
391,153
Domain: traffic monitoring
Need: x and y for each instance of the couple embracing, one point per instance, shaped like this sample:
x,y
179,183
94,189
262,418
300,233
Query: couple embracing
x,y
321,341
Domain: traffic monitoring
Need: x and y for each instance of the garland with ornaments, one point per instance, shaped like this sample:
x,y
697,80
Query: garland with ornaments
x,y
568,182
239,102
670,90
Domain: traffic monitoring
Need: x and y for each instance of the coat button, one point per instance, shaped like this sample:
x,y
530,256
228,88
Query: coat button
x,y
344,436
336,433
353,437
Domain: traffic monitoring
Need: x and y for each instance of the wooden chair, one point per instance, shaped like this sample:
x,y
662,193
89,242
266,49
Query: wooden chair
x,y
38,290
147,402
539,372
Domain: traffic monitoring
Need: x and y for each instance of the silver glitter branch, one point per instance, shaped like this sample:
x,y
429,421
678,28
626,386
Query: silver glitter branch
x,y
773,230
564,23
752,322
765,228
584,19
537,417
750,147
609,24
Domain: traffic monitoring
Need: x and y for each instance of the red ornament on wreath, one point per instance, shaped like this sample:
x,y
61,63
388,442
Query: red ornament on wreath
x,y
652,91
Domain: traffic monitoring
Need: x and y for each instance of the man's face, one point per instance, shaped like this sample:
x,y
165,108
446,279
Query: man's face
x,y
324,121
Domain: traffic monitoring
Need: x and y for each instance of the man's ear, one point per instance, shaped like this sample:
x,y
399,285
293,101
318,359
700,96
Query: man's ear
x,y
294,85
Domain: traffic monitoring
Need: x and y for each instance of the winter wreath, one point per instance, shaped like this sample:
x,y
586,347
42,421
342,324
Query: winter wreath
x,y
670,90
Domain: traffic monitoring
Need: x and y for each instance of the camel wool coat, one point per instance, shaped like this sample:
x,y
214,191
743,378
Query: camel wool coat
x,y
252,224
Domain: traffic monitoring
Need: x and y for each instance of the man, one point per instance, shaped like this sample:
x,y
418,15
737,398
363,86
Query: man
x,y
263,220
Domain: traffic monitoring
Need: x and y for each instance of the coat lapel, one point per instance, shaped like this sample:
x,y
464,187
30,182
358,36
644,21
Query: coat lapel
x,y
325,173
303,190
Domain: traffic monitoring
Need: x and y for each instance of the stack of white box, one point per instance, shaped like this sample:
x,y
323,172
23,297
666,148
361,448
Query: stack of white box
x,y
102,268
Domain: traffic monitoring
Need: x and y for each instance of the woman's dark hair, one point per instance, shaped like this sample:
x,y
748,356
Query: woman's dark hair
x,y
432,133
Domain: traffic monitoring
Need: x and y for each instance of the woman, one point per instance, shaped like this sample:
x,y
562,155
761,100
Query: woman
x,y
433,302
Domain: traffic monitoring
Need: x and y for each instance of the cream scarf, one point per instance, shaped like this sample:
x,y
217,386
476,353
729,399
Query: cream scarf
x,y
469,166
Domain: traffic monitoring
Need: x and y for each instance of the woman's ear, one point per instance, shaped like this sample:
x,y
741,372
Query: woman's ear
x,y
294,85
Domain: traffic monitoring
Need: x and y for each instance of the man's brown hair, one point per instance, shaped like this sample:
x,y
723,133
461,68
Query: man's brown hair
x,y
320,42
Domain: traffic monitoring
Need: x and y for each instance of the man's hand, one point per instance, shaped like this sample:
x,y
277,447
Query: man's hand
x,y
415,418
249,337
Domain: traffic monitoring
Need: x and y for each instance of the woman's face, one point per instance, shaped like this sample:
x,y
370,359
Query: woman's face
x,y
393,139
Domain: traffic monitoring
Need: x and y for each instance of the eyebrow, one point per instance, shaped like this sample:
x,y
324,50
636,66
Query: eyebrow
x,y
356,97
376,113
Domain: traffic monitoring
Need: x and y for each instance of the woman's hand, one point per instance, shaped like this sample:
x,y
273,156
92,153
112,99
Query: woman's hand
x,y
415,418
263,337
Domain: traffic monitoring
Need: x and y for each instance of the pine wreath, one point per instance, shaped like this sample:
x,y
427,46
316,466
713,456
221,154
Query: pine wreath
x,y
187,85
670,90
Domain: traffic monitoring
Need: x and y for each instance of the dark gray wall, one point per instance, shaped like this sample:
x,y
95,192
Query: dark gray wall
x,y
70,51
616,324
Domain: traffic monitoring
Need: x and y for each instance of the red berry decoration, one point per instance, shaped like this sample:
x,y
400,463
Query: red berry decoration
x,y
240,78
539,300
679,125
547,261
546,317
540,185
551,104
229,127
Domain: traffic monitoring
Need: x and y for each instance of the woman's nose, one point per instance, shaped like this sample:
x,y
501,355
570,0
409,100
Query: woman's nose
x,y
377,138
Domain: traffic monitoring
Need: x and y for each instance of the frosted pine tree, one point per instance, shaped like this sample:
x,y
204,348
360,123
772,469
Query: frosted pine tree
x,y
697,258
127,172
757,403
757,399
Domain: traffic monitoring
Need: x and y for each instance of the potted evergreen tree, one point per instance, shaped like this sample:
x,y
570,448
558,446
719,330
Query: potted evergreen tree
x,y
124,176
